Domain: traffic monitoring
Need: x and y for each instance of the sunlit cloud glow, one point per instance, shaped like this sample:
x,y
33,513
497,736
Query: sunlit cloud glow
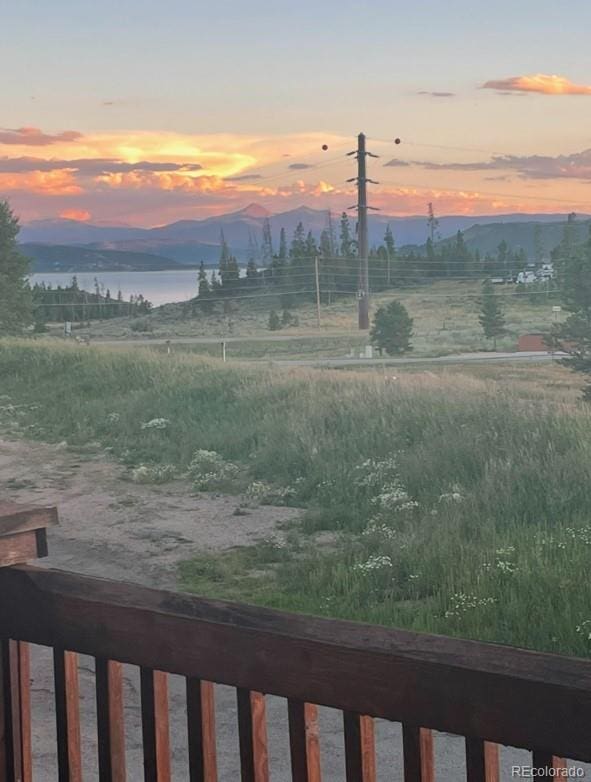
x,y
540,83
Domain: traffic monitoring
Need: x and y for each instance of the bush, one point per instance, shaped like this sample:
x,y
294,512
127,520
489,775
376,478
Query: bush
x,y
141,325
274,321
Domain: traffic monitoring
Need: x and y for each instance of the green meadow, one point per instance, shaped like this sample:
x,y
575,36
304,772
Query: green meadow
x,y
454,501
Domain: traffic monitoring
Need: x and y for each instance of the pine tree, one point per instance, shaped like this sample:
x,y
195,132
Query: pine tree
x,y
204,296
224,257
392,329
282,247
251,266
574,335
15,292
390,253
346,242
274,323
491,316
267,244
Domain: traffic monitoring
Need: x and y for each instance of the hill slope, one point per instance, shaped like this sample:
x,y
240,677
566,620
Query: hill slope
x,y
70,258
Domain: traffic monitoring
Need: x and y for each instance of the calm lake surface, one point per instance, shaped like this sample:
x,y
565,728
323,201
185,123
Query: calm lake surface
x,y
158,287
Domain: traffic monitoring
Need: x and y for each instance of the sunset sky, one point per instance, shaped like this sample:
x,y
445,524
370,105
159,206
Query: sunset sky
x,y
145,112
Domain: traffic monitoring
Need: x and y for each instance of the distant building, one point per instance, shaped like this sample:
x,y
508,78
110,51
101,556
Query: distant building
x,y
532,342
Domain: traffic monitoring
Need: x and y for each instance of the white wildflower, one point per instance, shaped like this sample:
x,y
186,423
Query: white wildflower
x,y
156,423
374,562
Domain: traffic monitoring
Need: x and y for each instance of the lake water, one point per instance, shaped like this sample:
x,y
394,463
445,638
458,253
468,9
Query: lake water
x,y
158,287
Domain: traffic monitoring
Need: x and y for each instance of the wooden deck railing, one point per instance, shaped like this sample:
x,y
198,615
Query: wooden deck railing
x,y
489,694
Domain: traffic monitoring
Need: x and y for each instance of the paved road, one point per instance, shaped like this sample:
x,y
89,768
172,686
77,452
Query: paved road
x,y
480,357
459,358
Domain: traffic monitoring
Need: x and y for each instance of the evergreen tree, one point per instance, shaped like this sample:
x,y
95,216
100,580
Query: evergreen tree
x,y
574,335
282,248
15,291
251,266
274,323
346,241
491,316
392,329
267,244
390,253
204,303
224,257
538,243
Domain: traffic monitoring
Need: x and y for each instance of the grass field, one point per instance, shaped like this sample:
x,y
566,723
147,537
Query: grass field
x,y
445,320
448,501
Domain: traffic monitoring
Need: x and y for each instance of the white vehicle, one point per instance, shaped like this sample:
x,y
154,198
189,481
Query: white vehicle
x,y
526,277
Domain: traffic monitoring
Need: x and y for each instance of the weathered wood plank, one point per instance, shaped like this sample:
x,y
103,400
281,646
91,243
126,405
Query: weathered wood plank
x,y
22,547
201,727
482,761
304,741
24,518
67,714
419,760
15,712
155,725
508,696
252,734
360,752
110,720
24,675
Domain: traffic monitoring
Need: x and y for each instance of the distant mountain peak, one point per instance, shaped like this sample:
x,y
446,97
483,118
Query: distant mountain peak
x,y
255,211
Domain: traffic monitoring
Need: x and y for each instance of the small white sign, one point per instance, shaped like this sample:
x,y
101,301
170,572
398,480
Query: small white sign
x,y
556,308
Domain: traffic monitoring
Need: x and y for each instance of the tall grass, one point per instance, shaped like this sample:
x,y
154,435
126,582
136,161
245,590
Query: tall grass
x,y
455,505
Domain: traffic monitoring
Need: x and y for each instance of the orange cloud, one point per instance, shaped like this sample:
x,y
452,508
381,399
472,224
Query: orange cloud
x,y
50,183
539,82
80,215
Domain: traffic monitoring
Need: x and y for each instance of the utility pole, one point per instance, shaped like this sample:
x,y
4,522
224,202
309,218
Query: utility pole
x,y
317,276
362,238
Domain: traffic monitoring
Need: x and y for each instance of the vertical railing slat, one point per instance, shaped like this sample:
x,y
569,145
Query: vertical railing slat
x,y
155,727
67,714
304,741
360,754
252,733
110,720
201,728
550,763
24,675
482,761
15,712
419,763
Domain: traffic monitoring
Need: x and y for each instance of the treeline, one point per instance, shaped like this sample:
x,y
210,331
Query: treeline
x,y
297,266
70,303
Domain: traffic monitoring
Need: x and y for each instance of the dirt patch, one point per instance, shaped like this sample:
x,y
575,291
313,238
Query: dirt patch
x,y
117,529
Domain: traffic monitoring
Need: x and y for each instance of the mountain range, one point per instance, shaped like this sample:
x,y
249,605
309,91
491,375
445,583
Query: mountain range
x,y
188,242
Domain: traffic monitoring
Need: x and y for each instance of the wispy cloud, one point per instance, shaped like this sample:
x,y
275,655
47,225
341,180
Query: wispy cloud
x,y
396,163
244,178
436,94
541,83
90,166
300,166
34,137
577,165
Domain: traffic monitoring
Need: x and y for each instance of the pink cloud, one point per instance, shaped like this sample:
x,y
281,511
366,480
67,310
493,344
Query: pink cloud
x,y
34,137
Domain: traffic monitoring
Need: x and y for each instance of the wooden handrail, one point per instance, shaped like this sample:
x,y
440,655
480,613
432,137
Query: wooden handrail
x,y
482,691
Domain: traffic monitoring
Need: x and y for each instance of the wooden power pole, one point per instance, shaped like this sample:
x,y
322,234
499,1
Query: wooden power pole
x,y
362,237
